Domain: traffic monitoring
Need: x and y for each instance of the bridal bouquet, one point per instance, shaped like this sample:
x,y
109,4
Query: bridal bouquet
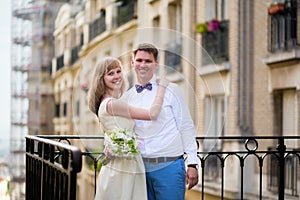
x,y
121,143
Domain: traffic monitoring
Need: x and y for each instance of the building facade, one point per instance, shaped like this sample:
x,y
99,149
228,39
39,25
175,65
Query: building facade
x,y
235,60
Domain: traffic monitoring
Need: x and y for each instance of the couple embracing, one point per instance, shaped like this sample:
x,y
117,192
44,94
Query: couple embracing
x,y
156,112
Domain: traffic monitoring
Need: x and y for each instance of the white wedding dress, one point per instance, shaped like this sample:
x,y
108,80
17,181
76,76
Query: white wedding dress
x,y
121,178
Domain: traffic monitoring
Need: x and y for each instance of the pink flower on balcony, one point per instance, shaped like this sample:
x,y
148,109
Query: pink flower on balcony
x,y
84,86
213,25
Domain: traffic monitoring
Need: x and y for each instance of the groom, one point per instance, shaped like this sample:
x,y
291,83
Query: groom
x,y
164,141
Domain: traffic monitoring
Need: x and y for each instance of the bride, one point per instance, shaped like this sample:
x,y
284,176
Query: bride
x,y
121,178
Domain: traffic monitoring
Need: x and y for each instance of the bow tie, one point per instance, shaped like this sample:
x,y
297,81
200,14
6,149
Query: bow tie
x,y
140,88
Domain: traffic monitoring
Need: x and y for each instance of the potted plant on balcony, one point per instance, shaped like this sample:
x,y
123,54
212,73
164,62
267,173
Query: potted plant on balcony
x,y
209,26
201,28
213,25
276,8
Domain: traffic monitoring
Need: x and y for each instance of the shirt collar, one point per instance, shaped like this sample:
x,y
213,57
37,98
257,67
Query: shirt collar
x,y
152,80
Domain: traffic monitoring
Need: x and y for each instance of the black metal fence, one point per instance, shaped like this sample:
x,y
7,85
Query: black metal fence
x,y
272,158
51,169
270,162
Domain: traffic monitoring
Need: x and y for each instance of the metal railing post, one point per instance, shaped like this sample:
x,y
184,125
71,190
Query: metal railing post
x,y
281,182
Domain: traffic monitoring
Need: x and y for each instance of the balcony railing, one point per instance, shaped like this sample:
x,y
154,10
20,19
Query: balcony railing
x,y
125,12
282,28
97,27
269,163
215,45
51,169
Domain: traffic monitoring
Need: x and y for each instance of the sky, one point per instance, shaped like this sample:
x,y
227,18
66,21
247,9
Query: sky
x,y
5,39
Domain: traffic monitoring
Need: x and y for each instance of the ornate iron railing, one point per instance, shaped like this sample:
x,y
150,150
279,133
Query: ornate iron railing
x,y
51,169
97,27
269,152
272,162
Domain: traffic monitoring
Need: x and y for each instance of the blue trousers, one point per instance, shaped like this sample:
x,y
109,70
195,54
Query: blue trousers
x,y
166,181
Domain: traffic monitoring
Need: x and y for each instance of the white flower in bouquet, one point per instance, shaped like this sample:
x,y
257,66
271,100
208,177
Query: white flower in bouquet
x,y
121,143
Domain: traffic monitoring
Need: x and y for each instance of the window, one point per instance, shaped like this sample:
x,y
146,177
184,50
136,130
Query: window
x,y
212,168
214,127
285,102
174,22
173,58
65,109
156,35
215,41
285,112
81,39
77,108
57,110
291,169
216,9
174,11
214,118
174,47
215,45
283,27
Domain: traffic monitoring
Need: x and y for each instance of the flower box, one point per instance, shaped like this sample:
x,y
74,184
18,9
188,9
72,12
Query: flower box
x,y
201,28
209,26
276,8
213,25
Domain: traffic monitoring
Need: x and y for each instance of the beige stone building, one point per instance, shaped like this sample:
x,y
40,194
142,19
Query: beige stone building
x,y
236,62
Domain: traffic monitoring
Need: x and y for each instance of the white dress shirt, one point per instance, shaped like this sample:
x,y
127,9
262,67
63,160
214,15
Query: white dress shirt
x,y
173,133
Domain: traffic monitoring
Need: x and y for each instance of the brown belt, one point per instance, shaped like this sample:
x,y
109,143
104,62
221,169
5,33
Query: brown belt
x,y
161,159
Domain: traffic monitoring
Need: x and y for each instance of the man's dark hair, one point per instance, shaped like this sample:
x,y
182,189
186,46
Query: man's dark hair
x,y
150,48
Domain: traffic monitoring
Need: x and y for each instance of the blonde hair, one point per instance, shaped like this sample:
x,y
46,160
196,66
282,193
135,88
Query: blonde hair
x,y
98,88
